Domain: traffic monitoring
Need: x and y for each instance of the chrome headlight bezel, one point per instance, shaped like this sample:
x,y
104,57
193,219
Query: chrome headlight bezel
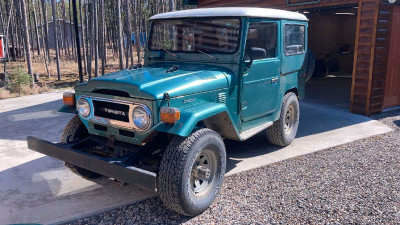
x,y
144,110
83,107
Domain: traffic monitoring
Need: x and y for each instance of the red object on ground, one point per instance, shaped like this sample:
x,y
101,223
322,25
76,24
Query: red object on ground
x,y
1,47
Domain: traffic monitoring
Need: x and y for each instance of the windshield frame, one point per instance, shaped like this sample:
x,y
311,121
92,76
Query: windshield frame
x,y
238,46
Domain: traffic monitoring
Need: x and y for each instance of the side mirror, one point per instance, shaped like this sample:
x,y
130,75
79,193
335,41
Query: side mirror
x,y
257,53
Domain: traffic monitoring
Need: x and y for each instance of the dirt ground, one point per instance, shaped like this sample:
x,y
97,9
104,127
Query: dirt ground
x,y
68,69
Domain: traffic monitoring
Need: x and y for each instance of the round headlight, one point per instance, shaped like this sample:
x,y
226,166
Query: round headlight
x,y
141,117
83,107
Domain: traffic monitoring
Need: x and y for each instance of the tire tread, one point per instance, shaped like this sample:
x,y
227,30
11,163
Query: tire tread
x,y
275,133
174,160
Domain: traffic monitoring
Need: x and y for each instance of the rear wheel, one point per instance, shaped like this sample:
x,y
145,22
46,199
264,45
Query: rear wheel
x,y
284,130
74,131
192,172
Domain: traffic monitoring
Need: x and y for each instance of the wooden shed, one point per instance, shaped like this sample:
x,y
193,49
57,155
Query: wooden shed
x,y
363,37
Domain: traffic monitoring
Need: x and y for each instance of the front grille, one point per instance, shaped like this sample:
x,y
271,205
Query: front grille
x,y
100,127
127,133
111,110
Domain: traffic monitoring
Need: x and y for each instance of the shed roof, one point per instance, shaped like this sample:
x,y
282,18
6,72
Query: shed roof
x,y
233,11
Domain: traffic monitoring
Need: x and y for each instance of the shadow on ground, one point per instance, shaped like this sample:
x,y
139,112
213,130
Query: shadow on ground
x,y
38,189
38,120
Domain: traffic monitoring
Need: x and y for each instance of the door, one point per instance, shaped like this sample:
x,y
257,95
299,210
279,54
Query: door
x,y
392,84
261,76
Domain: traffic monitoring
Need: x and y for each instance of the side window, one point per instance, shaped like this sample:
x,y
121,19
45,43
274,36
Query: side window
x,y
262,35
294,42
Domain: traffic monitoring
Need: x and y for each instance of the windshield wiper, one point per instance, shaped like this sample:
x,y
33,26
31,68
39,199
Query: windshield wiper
x,y
210,56
174,55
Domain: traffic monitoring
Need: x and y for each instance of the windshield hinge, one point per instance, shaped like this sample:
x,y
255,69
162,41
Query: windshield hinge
x,y
172,69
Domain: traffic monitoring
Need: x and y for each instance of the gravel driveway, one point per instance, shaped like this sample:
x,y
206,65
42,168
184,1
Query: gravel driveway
x,y
353,183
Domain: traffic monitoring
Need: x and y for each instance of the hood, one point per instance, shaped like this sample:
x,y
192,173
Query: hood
x,y
153,82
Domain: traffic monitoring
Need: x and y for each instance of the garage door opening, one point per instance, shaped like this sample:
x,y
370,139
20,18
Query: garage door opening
x,y
332,34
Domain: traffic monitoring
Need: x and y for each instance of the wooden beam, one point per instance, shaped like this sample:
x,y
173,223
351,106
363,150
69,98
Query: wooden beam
x,y
355,56
371,66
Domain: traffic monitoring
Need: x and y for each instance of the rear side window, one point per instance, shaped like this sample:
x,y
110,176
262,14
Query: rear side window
x,y
294,42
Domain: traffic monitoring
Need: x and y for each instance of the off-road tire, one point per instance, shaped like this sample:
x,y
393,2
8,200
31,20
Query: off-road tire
x,y
75,130
276,133
176,171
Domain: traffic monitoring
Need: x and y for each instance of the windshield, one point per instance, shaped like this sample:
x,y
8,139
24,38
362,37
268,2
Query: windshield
x,y
195,35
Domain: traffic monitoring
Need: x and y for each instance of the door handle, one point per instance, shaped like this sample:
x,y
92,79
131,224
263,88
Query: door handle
x,y
274,80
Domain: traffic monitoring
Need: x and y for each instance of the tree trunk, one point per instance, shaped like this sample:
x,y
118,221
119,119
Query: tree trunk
x,y
78,42
65,35
136,26
26,37
36,29
45,56
128,34
54,12
46,29
71,29
103,37
30,31
9,14
10,25
120,36
95,40
83,36
91,25
88,59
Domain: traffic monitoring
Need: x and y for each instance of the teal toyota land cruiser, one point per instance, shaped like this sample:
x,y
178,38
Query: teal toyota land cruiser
x,y
208,75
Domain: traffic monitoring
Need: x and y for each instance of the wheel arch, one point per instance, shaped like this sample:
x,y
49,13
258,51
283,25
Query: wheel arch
x,y
214,116
294,90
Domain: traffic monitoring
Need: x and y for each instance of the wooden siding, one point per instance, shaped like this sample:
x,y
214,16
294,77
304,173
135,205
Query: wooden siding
x,y
392,84
279,4
370,58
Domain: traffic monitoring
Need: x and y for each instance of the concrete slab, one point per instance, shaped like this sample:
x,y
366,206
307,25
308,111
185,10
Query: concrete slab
x,y
320,127
37,188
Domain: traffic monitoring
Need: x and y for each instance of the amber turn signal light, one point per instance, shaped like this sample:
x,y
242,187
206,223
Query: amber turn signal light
x,y
170,114
69,98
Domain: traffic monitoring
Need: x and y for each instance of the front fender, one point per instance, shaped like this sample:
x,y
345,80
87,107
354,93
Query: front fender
x,y
190,116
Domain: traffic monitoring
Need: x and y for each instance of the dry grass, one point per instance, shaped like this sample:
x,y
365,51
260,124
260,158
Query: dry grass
x,y
68,69
4,93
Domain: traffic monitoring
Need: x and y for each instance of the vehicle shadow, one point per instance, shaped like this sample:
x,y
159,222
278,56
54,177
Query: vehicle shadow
x,y
40,120
42,191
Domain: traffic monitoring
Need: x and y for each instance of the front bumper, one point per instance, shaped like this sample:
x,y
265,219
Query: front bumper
x,y
108,167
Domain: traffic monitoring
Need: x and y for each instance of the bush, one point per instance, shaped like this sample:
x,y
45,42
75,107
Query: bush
x,y
19,80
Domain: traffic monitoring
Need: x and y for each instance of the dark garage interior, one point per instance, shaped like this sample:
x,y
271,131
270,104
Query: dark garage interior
x,y
332,34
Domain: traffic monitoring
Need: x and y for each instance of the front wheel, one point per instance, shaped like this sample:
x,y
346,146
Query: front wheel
x,y
284,130
192,171
76,130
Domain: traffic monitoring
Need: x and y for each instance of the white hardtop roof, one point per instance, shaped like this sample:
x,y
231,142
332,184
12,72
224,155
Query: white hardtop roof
x,y
233,11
